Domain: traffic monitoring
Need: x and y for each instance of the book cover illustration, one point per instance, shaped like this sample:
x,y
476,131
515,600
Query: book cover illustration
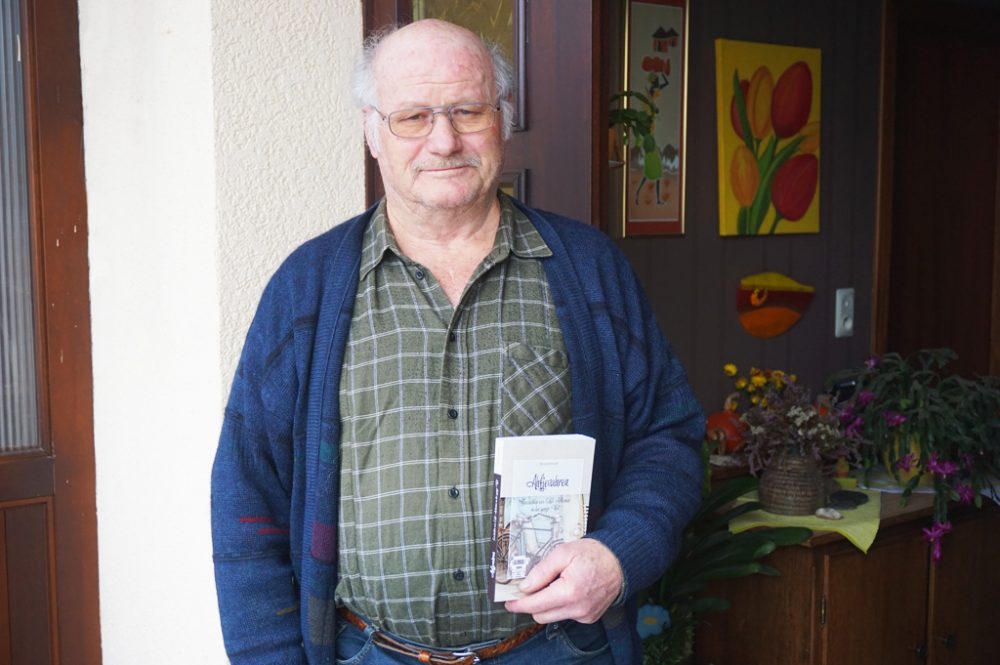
x,y
541,499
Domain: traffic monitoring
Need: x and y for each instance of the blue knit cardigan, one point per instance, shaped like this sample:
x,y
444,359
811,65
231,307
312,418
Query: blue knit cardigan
x,y
276,473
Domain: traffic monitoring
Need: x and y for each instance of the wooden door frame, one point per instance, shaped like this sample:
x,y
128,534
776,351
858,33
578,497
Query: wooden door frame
x,y
58,209
883,186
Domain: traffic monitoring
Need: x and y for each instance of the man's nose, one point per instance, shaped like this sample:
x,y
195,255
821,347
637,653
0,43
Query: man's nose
x,y
443,138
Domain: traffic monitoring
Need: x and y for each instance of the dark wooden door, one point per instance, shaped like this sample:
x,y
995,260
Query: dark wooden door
x,y
963,590
552,160
938,277
874,605
48,550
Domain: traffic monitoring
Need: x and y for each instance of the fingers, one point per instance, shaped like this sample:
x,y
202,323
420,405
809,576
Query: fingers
x,y
577,580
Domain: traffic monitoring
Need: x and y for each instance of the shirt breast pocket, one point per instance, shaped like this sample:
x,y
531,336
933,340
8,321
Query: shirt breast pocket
x,y
534,391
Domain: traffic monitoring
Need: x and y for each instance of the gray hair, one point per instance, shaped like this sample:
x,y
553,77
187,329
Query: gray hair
x,y
365,88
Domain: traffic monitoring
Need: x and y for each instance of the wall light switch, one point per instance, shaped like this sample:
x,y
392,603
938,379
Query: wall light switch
x,y
843,325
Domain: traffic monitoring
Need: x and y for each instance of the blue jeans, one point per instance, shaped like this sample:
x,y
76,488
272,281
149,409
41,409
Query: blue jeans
x,y
564,643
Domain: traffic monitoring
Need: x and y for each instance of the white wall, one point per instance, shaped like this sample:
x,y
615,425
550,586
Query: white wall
x,y
217,137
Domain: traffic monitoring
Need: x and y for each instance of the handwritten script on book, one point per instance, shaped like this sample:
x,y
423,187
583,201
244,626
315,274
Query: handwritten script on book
x,y
541,497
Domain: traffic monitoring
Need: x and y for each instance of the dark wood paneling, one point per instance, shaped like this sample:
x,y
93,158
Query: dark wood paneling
x,y
25,478
692,280
29,583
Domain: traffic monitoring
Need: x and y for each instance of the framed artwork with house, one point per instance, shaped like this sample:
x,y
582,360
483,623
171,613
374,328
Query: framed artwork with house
x,y
655,67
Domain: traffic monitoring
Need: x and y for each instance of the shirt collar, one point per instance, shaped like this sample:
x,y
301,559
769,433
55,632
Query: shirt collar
x,y
516,235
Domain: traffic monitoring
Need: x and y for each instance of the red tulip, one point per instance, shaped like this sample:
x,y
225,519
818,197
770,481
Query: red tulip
x,y
791,100
794,186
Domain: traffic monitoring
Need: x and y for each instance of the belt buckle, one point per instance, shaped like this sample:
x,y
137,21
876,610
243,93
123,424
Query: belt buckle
x,y
466,654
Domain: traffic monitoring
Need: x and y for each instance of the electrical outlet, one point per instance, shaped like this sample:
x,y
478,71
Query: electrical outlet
x,y
843,325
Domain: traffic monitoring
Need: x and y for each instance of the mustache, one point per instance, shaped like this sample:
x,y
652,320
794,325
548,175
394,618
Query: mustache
x,y
454,163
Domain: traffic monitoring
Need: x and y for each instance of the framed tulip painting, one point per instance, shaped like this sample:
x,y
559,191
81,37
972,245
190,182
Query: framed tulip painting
x,y
767,110
656,76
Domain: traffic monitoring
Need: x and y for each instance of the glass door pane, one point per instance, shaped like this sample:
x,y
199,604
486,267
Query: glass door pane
x,y
18,395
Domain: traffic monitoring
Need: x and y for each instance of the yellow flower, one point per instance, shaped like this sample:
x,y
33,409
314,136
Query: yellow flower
x,y
755,399
755,371
741,383
751,388
792,378
729,369
758,380
763,402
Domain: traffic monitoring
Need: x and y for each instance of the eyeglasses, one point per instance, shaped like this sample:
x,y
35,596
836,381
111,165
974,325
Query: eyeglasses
x,y
418,122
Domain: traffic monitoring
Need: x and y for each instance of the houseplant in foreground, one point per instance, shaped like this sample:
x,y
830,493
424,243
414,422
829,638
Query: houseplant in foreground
x,y
926,424
676,603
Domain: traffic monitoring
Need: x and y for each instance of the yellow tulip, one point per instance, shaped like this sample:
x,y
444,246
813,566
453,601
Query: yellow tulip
x,y
810,143
759,102
744,175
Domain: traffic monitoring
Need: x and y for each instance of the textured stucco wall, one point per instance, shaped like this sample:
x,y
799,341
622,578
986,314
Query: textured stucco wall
x,y
289,149
217,136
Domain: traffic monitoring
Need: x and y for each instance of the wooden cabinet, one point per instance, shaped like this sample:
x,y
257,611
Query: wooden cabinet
x,y
835,605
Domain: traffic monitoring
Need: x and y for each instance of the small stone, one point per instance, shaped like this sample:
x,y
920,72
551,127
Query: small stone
x,y
828,514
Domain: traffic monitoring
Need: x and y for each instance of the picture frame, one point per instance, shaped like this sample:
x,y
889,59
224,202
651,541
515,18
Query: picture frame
x,y
768,120
656,57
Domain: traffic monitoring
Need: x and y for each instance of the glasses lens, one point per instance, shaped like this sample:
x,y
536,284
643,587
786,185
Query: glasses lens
x,y
468,118
409,123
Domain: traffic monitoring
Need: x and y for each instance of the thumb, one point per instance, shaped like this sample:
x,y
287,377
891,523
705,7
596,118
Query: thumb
x,y
545,571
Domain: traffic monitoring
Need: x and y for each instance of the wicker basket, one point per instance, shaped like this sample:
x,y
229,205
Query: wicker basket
x,y
792,485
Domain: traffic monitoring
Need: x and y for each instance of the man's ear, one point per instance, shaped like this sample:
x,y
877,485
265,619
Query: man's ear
x,y
371,139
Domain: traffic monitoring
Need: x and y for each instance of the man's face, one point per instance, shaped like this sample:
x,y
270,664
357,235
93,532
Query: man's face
x,y
445,169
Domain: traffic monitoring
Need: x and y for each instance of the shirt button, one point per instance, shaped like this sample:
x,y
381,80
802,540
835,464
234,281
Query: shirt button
x,y
452,413
459,575
419,274
453,492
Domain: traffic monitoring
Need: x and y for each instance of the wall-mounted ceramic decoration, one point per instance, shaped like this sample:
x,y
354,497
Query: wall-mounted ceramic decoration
x,y
770,303
768,116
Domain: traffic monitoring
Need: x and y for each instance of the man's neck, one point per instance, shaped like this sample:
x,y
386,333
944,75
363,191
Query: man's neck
x,y
449,243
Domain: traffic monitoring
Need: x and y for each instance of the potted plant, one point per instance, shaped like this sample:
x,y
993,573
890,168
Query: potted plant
x,y
636,122
677,602
924,422
794,442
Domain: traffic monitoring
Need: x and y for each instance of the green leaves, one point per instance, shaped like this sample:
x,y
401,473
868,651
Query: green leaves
x,y
639,124
710,552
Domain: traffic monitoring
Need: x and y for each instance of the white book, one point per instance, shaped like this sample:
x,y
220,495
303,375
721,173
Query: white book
x,y
541,497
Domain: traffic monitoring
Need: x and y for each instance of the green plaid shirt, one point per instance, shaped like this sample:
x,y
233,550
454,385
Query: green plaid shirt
x,y
425,390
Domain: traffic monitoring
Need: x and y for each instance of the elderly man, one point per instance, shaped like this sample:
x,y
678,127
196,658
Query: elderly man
x,y
352,484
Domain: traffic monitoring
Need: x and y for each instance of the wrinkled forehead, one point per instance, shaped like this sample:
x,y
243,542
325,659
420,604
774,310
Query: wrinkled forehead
x,y
429,58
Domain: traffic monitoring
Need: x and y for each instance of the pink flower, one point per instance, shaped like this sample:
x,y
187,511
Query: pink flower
x,y
871,362
965,494
933,535
967,460
905,462
894,419
853,431
865,398
939,467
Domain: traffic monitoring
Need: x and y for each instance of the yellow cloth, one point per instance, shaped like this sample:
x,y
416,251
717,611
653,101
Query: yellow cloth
x,y
859,524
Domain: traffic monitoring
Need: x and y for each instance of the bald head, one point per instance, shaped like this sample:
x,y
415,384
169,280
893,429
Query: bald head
x,y
425,49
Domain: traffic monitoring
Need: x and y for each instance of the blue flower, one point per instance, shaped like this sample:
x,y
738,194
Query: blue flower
x,y
653,619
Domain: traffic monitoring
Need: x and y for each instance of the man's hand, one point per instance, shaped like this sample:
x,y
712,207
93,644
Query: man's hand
x,y
578,580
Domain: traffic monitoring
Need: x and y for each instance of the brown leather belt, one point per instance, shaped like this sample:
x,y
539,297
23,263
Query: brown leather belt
x,y
435,657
